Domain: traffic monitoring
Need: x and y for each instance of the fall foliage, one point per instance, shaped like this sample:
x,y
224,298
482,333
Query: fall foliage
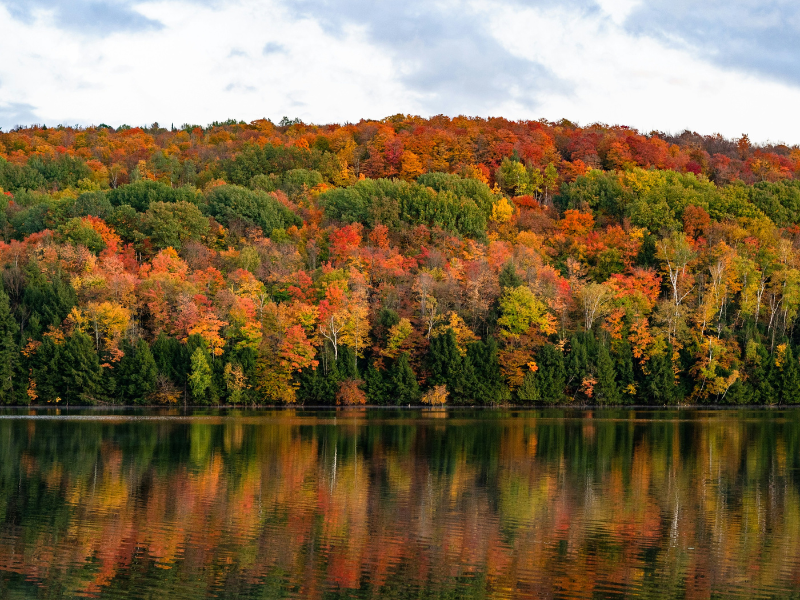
x,y
260,263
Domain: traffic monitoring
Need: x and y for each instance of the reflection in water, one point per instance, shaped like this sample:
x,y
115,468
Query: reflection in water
x,y
400,504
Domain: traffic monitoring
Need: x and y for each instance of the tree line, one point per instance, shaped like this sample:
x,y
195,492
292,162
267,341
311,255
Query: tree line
x,y
459,261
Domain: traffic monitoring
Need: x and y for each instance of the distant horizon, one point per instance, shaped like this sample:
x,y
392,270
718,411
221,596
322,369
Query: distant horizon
x,y
276,122
727,67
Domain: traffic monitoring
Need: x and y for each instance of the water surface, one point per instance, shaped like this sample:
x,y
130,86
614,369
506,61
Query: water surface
x,y
400,504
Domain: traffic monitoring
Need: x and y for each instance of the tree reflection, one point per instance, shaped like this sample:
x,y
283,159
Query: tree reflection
x,y
412,504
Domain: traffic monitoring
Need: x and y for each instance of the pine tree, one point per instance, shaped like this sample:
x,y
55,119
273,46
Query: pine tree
x,y
346,363
50,301
136,373
508,276
377,386
623,366
487,379
200,377
9,351
659,383
789,379
404,381
528,392
577,363
760,380
606,390
551,375
79,372
447,367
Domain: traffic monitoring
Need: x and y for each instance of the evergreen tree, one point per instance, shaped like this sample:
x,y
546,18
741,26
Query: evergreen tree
x,y
489,387
319,386
80,368
738,393
606,390
68,371
377,387
551,376
760,380
404,381
623,365
789,379
508,277
172,359
201,376
50,301
528,392
447,367
9,351
577,362
346,363
659,383
136,373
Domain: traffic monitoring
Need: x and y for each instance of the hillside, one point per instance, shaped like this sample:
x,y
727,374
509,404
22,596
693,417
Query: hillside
x,y
472,261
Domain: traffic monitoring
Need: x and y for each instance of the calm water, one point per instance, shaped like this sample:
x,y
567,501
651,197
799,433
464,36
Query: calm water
x,y
400,504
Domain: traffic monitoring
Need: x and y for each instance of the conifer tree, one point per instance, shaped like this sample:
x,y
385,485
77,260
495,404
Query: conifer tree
x,y
78,365
760,380
508,276
606,390
136,372
377,386
551,375
528,392
404,381
789,379
659,383
623,366
200,377
9,351
448,367
577,362
484,364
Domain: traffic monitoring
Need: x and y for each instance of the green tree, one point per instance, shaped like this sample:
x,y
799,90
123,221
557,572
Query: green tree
x,y
528,392
659,383
789,379
489,387
623,365
67,371
136,372
76,232
378,388
606,390
50,301
173,224
448,367
404,381
551,376
80,369
9,351
232,205
200,378
513,178
578,367
508,277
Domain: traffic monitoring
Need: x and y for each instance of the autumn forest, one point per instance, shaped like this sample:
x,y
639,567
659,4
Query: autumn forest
x,y
461,261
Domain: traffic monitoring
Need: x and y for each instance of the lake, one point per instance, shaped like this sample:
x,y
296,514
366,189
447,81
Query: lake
x,y
382,503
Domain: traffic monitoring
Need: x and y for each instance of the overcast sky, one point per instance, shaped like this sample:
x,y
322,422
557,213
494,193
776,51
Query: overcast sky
x,y
727,66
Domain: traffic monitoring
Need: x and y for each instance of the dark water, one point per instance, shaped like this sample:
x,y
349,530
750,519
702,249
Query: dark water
x,y
400,504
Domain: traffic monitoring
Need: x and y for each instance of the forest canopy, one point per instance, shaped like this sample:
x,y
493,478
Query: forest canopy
x,y
401,261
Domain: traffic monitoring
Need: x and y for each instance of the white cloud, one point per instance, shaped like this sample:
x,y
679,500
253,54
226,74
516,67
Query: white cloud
x,y
257,58
620,78
185,72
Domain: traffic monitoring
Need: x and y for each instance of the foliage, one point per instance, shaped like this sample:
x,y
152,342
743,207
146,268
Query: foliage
x,y
530,262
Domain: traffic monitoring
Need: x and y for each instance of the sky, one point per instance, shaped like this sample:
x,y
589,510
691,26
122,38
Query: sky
x,y
713,66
